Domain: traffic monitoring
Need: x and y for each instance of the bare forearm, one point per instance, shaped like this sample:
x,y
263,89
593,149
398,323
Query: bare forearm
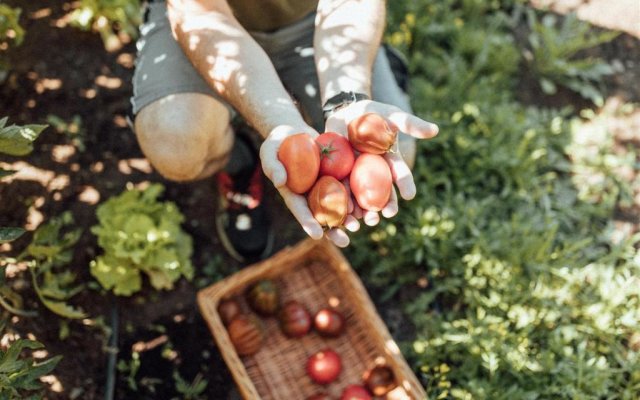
x,y
232,63
347,38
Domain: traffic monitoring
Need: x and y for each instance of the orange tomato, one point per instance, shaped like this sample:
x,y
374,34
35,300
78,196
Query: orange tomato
x,y
371,133
328,201
300,156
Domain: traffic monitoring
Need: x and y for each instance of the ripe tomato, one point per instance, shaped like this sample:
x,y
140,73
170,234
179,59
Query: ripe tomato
x,y
324,366
246,334
328,322
294,319
371,182
380,380
328,201
370,133
355,392
264,297
336,155
301,158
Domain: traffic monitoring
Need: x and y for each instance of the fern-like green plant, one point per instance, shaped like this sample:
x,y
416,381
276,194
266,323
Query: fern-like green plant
x,y
20,374
554,55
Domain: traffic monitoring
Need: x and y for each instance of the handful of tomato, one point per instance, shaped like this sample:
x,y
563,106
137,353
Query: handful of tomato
x,y
319,167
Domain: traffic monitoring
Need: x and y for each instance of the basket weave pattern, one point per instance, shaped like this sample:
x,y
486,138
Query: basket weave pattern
x,y
316,274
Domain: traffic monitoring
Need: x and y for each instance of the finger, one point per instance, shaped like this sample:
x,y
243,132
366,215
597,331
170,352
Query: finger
x,y
298,206
357,211
401,174
339,237
273,169
371,218
391,209
350,205
412,125
351,223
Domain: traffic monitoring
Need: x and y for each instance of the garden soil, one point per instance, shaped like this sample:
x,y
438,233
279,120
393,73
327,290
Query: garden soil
x,y
62,72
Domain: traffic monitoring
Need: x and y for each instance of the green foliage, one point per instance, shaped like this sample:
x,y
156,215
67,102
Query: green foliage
x,y
553,55
504,258
10,234
11,33
18,140
19,375
140,234
190,390
49,255
108,17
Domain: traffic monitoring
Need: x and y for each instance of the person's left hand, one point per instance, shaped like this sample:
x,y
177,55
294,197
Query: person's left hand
x,y
400,171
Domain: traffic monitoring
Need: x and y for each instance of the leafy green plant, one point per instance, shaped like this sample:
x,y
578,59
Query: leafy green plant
x,y
511,283
11,33
48,255
19,374
554,50
17,140
108,17
140,234
190,390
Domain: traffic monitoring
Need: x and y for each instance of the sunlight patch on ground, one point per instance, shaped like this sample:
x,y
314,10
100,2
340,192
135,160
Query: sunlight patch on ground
x,y
41,13
53,382
89,195
62,153
108,82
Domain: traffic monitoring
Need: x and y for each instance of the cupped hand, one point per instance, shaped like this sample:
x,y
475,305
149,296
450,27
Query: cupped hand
x,y
402,177
297,203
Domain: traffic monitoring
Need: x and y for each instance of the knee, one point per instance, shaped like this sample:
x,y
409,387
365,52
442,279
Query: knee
x,y
183,134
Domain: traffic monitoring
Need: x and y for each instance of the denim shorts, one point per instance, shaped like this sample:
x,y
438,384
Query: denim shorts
x,y
162,69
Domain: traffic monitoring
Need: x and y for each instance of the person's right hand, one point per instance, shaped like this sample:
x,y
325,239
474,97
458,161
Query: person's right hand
x,y
297,204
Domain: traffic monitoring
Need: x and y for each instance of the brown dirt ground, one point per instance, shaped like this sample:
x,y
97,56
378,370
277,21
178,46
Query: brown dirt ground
x,y
63,72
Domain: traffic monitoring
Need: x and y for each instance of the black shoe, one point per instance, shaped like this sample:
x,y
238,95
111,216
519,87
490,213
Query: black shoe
x,y
242,221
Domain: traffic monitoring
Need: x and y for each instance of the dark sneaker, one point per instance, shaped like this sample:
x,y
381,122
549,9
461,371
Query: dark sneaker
x,y
242,222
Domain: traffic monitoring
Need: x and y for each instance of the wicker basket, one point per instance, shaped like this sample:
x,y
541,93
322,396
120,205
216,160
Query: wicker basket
x,y
316,274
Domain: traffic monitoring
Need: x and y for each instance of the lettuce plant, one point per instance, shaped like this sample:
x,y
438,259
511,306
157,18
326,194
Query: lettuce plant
x,y
140,234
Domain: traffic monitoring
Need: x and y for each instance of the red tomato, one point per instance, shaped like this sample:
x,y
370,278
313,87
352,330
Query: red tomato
x,y
324,366
371,182
328,322
355,392
328,201
294,319
370,133
301,158
336,155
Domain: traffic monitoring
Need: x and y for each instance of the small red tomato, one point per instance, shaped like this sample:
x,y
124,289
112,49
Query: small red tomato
x,y
295,320
336,155
370,133
355,392
371,181
328,322
328,201
324,366
380,380
300,156
228,310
